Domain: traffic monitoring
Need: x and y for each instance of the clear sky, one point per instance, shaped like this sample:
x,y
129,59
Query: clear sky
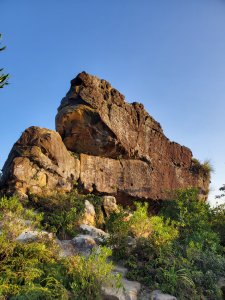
x,y
167,54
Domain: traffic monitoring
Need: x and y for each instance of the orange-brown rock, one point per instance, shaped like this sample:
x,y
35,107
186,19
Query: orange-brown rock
x,y
94,119
135,179
122,150
40,163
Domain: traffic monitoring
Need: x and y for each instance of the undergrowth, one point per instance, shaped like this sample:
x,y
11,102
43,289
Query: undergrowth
x,y
179,251
35,270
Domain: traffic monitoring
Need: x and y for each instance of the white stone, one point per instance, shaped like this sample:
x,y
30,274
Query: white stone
x,y
89,213
128,291
32,235
158,295
94,232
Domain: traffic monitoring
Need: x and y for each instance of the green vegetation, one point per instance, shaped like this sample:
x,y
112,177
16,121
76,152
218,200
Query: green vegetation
x,y
62,212
179,251
34,270
182,252
204,168
3,77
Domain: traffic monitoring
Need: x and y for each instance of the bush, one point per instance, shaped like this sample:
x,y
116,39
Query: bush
x,y
34,270
118,225
204,168
62,213
14,217
89,274
218,221
140,222
182,255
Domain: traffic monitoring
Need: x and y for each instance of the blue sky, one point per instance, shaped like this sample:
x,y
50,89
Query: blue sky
x,y
169,55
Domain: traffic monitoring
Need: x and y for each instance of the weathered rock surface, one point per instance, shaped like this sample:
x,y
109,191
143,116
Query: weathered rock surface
x,y
67,248
38,163
97,234
94,119
109,205
32,235
119,150
83,244
128,291
158,295
89,214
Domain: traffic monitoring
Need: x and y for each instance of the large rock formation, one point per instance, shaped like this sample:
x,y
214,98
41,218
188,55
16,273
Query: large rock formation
x,y
39,163
117,149
140,161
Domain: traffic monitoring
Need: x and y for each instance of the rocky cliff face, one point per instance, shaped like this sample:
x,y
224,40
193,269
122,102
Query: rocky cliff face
x,y
107,145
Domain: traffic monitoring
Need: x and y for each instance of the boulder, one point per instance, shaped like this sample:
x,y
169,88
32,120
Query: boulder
x,y
129,290
33,235
67,248
89,214
84,244
158,295
109,205
97,234
39,163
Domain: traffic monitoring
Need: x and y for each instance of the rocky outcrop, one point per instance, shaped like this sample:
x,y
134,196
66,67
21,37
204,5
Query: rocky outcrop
x,y
39,163
108,146
94,119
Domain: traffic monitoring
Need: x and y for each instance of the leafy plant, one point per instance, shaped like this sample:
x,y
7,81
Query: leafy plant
x,y
88,275
61,212
35,270
204,168
3,77
182,255
118,225
140,222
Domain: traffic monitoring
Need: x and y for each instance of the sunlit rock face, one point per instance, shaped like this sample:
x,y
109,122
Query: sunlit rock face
x,y
106,145
126,149
39,163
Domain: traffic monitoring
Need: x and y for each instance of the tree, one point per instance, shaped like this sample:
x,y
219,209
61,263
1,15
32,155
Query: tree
x,y
3,77
222,190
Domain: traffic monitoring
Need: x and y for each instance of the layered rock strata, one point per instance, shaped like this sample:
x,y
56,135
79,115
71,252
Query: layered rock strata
x,y
106,145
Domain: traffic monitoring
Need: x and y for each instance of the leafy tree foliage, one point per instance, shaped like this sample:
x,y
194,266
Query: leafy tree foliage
x,y
3,77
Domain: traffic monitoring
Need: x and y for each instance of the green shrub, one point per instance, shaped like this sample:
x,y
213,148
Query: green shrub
x,y
182,255
118,225
26,269
34,270
87,275
61,212
218,221
193,217
14,217
204,168
140,222
163,233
